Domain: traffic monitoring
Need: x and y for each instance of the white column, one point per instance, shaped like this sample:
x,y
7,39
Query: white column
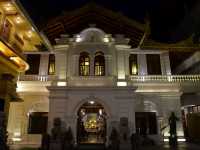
x,y
15,119
142,63
165,63
127,72
108,65
44,63
61,65
73,66
121,64
92,65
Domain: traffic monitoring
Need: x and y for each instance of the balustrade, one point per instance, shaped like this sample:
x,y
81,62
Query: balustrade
x,y
166,78
140,78
36,78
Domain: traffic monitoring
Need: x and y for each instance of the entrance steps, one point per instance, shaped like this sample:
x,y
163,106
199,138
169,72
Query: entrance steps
x,y
91,147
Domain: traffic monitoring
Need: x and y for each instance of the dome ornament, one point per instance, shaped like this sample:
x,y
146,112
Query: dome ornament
x,y
92,25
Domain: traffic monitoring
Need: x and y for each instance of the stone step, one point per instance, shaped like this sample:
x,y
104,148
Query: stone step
x,y
91,147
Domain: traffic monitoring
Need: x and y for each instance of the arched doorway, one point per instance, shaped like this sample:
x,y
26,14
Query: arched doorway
x,y
91,123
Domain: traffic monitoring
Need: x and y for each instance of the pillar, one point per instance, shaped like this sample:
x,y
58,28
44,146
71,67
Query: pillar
x,y
108,65
44,63
73,67
142,63
165,63
61,65
71,121
121,64
127,72
92,65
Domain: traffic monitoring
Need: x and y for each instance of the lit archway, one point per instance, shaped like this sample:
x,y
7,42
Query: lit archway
x,y
91,123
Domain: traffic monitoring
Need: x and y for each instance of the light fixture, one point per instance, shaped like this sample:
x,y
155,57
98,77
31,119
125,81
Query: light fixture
x,y
121,83
166,140
169,78
181,139
134,69
16,139
106,39
78,38
100,112
91,102
18,20
87,63
61,83
29,33
8,6
13,57
17,134
83,112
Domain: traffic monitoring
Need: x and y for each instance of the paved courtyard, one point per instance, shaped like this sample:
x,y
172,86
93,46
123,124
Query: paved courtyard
x,y
182,146
163,147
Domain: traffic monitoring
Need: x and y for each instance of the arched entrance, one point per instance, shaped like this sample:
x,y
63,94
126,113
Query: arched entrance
x,y
91,123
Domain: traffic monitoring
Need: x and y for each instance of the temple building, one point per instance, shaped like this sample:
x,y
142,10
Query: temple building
x,y
100,70
17,35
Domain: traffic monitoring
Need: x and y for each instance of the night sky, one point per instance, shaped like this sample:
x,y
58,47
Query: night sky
x,y
170,19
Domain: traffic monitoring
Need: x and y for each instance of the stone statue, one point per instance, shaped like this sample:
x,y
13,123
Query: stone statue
x,y
57,135
60,139
68,139
172,130
114,139
45,142
135,141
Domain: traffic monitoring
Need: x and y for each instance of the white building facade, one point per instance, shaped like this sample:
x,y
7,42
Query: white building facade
x,y
94,67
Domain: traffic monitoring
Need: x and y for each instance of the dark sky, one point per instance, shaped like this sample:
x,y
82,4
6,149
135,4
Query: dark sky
x,y
170,19
47,8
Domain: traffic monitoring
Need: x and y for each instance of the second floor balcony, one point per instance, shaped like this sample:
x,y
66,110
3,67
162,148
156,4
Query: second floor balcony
x,y
110,80
166,78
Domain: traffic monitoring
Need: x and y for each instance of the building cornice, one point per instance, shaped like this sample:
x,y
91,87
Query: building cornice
x,y
128,88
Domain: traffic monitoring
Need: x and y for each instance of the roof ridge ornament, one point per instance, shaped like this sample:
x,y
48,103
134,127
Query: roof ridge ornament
x,y
92,25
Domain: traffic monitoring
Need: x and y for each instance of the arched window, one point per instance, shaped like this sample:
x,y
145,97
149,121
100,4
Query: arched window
x,y
133,65
99,64
84,64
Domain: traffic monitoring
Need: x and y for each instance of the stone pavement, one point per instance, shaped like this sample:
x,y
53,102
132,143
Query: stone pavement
x,y
182,146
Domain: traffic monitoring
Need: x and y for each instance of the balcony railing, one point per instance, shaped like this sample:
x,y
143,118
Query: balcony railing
x,y
139,79
166,78
91,81
36,78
